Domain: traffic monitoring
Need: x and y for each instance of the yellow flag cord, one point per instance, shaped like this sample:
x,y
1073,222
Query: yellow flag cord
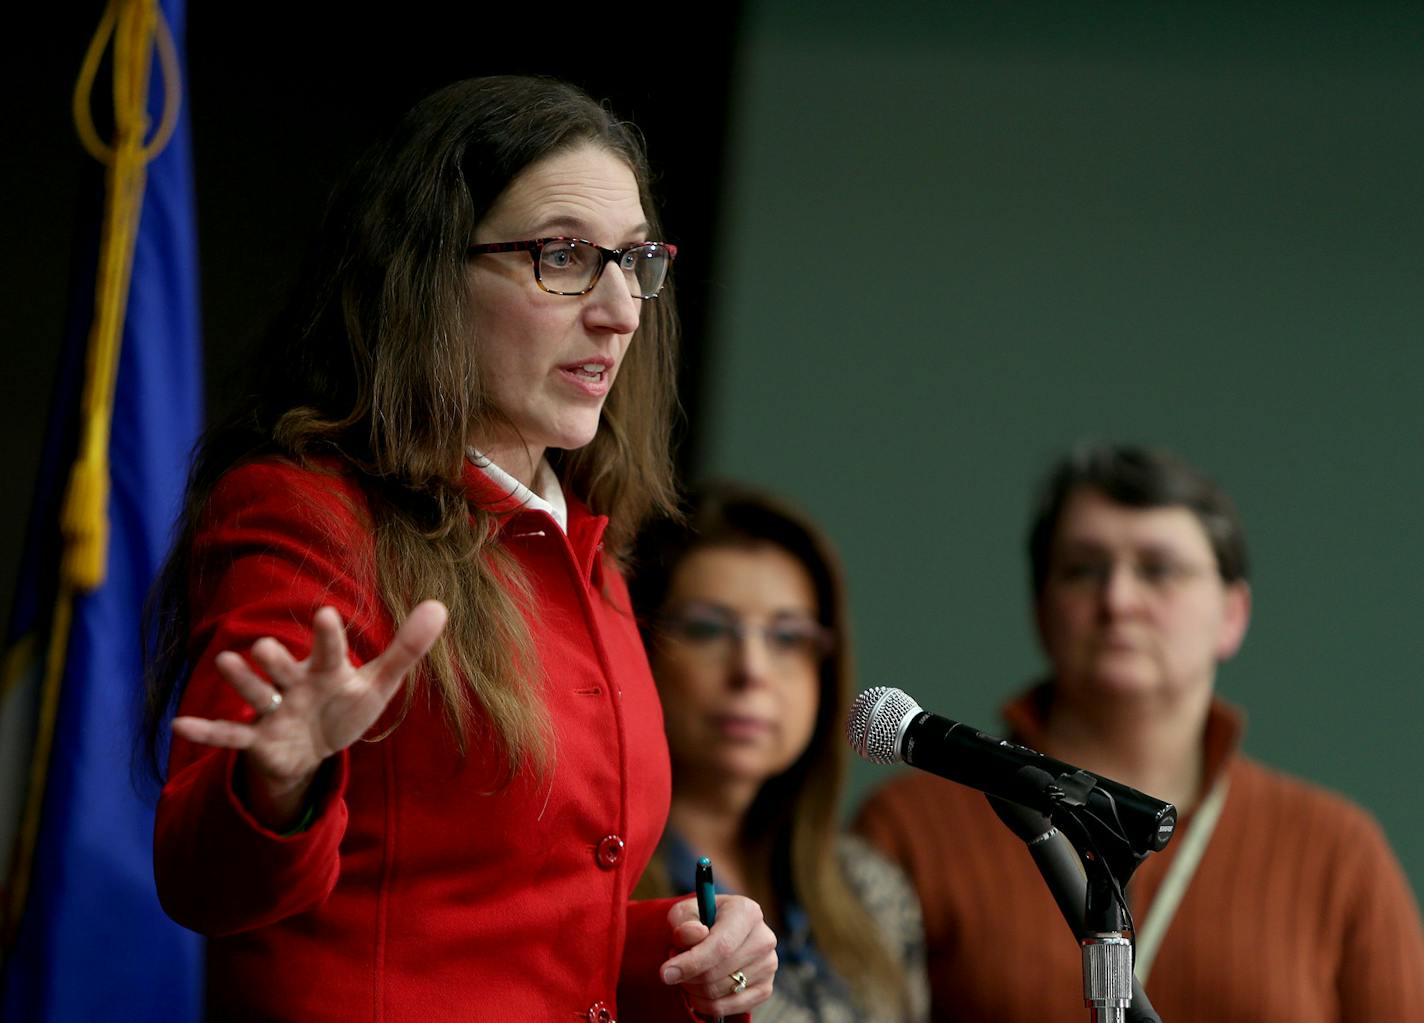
x,y
135,27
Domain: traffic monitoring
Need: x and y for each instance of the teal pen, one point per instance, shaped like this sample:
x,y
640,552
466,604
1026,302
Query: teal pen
x,y
706,892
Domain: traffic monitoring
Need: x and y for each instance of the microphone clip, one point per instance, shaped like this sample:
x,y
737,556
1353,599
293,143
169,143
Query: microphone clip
x,y
1072,789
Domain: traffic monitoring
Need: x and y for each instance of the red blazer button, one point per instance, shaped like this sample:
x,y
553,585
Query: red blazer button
x,y
598,1013
610,851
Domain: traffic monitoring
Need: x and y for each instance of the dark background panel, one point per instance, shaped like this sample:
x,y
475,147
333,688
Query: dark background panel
x,y
1003,228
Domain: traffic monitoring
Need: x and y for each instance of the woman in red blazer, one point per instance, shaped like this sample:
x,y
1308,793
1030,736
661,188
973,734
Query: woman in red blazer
x,y
463,425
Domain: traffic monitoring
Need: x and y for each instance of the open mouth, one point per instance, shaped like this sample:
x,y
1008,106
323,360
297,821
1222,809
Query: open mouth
x,y
593,377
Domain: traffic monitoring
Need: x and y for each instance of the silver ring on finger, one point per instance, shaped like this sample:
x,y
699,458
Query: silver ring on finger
x,y
739,982
270,706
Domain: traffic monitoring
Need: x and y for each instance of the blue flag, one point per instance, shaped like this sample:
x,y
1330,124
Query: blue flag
x,y
89,940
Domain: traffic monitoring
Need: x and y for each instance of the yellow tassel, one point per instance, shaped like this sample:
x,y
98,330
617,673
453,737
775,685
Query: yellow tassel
x,y
84,523
134,27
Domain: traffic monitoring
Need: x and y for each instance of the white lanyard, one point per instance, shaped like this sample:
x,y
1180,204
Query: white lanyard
x,y
1178,877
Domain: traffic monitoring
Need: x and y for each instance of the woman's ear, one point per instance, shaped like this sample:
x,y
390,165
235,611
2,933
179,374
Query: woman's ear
x,y
1235,618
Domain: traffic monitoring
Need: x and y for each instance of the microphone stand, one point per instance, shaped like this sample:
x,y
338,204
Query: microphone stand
x,y
1107,947
1085,833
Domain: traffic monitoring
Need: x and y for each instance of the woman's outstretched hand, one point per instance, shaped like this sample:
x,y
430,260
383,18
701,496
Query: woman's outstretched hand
x,y
726,970
308,710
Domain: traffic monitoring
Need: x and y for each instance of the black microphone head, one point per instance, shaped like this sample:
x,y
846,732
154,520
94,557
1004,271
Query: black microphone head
x,y
875,722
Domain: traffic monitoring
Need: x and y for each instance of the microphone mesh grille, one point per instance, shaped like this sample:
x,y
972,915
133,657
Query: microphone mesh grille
x,y
873,726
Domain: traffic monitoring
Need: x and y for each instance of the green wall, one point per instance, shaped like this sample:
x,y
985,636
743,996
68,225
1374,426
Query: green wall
x,y
960,238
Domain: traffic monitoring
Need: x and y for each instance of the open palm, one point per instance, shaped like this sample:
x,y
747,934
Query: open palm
x,y
321,704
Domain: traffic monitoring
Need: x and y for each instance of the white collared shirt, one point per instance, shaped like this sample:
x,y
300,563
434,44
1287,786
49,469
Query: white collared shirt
x,y
546,495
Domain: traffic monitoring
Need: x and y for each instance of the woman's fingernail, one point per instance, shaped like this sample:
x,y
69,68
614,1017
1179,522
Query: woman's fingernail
x,y
672,975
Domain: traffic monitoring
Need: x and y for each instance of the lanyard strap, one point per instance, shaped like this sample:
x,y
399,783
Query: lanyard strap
x,y
1179,876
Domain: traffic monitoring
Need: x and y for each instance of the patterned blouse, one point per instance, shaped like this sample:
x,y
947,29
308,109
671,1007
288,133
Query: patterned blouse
x,y
807,990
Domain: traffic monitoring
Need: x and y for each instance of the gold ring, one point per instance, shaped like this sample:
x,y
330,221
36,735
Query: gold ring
x,y
740,980
272,704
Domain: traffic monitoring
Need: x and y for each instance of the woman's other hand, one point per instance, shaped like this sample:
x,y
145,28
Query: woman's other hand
x,y
739,945
308,710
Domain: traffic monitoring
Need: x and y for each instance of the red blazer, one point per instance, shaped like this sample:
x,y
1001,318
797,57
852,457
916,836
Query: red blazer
x,y
423,891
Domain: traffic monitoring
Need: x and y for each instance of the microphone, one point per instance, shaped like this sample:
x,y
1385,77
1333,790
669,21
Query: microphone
x,y
888,727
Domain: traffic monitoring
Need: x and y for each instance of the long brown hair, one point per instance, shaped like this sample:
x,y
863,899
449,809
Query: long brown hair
x,y
796,813
374,368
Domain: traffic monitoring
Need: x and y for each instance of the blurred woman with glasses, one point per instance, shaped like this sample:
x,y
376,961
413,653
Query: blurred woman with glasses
x,y
744,613
418,762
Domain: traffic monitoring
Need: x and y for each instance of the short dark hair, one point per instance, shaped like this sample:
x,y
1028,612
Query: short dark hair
x,y
1137,477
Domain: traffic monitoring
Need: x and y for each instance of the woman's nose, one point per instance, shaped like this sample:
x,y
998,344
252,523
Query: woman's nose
x,y
1122,589
610,305
752,658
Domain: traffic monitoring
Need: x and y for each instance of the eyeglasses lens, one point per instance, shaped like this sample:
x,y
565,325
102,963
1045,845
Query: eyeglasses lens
x,y
571,267
646,268
718,637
